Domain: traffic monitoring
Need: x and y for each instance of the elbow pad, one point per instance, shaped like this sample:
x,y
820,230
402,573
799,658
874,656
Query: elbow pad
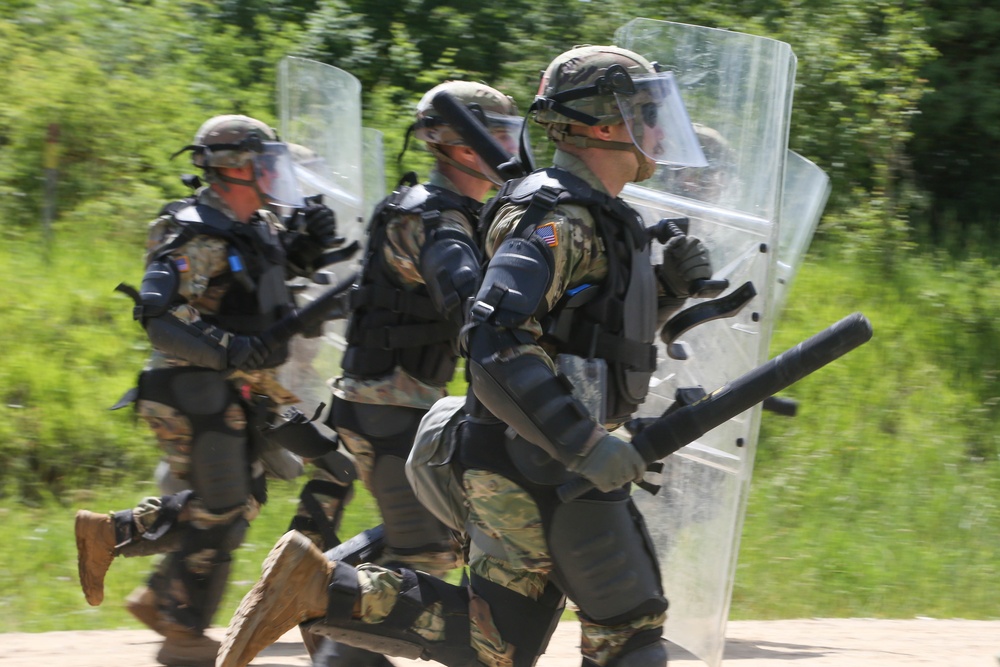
x,y
191,342
158,290
450,266
515,283
527,395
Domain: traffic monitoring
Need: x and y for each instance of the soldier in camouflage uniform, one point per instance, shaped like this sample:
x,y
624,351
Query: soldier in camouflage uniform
x,y
421,266
569,298
216,266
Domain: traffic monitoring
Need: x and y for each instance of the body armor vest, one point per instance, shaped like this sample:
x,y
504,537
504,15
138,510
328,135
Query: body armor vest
x,y
614,320
392,327
255,295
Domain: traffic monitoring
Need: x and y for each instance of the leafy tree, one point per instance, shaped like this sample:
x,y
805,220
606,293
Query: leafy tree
x,y
956,138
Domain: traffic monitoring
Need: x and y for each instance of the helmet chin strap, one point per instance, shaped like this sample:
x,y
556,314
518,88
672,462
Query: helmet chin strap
x,y
644,170
435,150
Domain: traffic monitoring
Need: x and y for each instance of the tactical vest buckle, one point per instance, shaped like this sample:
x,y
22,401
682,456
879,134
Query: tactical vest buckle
x,y
480,312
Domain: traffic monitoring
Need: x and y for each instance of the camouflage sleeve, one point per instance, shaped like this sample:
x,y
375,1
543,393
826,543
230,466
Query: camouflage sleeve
x,y
196,263
405,238
577,253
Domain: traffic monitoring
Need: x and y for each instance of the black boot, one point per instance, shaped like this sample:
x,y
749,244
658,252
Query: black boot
x,y
333,654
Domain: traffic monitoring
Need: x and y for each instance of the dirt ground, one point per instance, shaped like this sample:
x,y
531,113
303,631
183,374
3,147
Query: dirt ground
x,y
797,643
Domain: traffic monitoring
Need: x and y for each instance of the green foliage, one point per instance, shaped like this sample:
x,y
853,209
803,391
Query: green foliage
x,y
68,350
122,100
881,494
956,136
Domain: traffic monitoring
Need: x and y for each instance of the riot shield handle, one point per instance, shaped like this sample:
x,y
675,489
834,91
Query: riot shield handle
x,y
668,228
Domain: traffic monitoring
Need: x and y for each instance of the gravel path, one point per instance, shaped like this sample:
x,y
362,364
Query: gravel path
x,y
797,643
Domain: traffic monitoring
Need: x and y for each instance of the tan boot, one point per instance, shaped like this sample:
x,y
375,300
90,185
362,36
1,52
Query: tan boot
x,y
193,650
95,549
292,589
141,603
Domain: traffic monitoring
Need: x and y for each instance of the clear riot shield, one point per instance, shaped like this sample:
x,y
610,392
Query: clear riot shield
x,y
805,191
320,109
320,117
738,92
373,169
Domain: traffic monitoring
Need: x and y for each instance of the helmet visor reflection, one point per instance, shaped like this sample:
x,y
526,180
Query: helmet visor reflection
x,y
275,173
658,122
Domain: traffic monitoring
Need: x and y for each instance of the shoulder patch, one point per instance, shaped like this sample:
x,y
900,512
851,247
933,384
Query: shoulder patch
x,y
182,264
547,233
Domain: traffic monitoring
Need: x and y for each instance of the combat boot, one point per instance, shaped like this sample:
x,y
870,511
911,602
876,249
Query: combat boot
x,y
334,654
141,603
190,650
95,549
292,589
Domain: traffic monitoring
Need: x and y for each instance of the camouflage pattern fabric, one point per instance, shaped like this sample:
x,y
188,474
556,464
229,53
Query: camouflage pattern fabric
x,y
173,434
498,506
582,67
505,512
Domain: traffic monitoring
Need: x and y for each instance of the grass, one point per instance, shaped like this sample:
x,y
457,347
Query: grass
x,y
881,498
39,581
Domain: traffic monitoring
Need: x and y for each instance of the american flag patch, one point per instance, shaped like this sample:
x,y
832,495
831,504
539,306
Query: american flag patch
x,y
182,264
547,233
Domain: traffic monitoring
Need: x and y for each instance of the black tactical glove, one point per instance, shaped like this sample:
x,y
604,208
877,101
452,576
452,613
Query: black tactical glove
x,y
685,259
321,224
610,464
246,353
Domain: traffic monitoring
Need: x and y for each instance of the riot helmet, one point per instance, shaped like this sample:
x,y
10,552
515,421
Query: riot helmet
x,y
607,85
496,111
232,141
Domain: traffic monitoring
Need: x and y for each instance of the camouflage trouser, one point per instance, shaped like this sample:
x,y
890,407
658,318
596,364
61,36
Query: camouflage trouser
x,y
437,563
182,582
331,506
505,512
173,434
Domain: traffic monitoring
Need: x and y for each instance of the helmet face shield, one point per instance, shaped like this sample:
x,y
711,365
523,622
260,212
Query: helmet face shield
x,y
274,170
506,130
657,120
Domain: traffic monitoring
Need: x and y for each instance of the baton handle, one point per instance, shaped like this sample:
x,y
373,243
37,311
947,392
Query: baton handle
x,y
299,320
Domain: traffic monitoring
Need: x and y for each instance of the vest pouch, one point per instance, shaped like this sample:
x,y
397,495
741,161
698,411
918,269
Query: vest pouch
x,y
589,378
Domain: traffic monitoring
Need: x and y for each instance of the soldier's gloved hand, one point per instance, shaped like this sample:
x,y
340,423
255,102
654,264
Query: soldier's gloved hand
x,y
246,353
610,464
685,259
321,224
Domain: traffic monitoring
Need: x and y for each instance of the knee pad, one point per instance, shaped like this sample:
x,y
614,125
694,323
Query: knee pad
x,y
394,636
604,560
409,526
525,623
219,460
